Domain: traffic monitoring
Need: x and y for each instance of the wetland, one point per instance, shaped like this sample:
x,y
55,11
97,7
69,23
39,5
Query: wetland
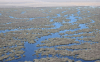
x,y
50,34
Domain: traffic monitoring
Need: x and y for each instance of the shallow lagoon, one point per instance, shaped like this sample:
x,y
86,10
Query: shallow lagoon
x,y
30,48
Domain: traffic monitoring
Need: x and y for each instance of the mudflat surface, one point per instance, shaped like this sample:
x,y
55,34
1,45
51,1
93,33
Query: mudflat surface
x,y
50,34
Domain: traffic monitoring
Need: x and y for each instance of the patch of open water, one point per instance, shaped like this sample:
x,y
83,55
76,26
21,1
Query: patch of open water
x,y
0,14
23,12
64,11
72,18
79,12
51,20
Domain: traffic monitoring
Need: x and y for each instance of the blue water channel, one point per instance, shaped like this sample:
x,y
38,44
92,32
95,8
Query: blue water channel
x,y
23,12
0,14
30,48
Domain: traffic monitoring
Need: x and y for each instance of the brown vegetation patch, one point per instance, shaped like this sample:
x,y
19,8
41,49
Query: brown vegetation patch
x,y
13,51
94,39
97,61
56,59
84,20
84,54
84,34
68,26
57,41
60,19
82,46
78,61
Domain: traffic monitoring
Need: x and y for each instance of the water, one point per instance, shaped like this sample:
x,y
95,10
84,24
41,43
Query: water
x,y
72,19
50,11
23,12
57,25
51,20
79,12
0,14
58,15
11,16
88,11
64,11
65,15
92,6
92,21
30,19
83,26
48,17
4,31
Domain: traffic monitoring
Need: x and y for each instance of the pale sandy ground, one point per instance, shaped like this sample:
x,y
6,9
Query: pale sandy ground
x,y
47,4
